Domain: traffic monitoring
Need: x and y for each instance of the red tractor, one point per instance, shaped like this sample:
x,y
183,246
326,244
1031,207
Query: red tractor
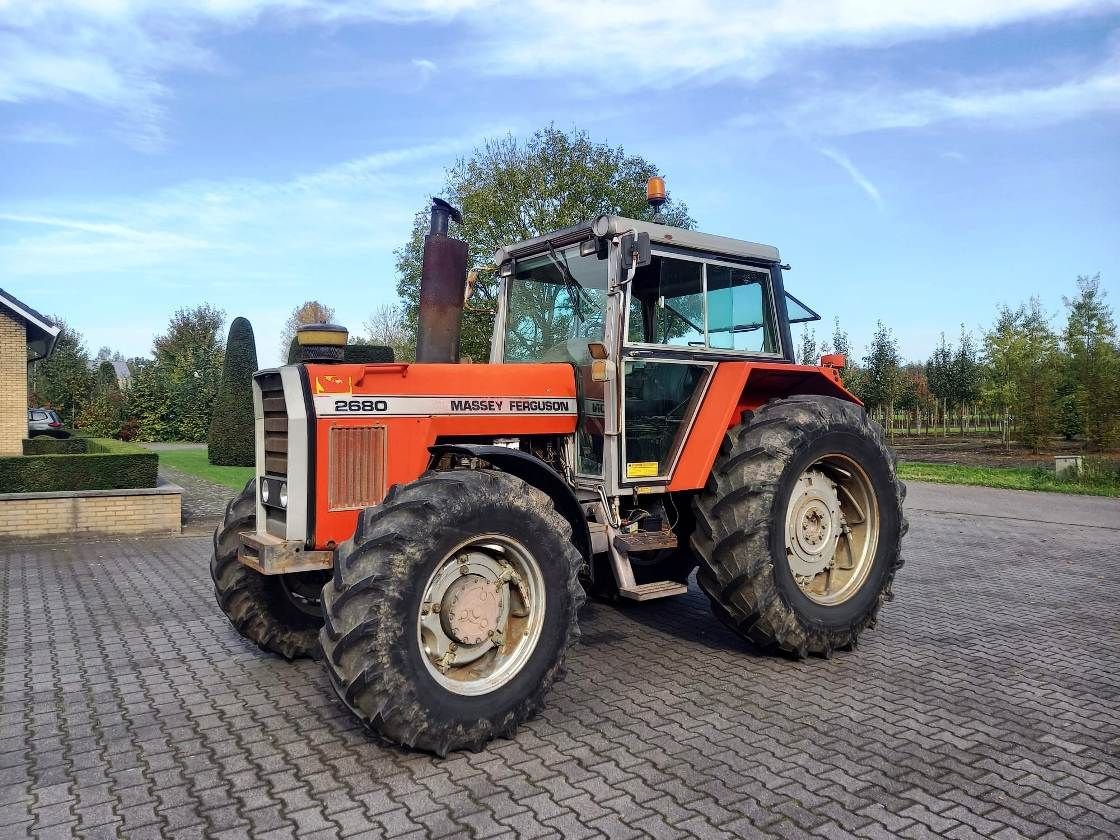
x,y
432,527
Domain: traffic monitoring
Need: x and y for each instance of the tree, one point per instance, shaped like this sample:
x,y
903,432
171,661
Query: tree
x,y
511,190
107,354
939,375
63,381
173,393
1024,368
964,376
807,354
882,372
914,397
231,439
1092,364
387,327
840,342
308,312
106,379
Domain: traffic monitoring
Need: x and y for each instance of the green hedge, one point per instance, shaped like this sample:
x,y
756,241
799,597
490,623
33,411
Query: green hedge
x,y
105,465
55,446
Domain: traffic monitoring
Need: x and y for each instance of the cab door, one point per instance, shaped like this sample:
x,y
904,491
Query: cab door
x,y
663,372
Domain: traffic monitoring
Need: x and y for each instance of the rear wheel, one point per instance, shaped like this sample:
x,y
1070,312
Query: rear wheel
x,y
800,526
451,609
279,613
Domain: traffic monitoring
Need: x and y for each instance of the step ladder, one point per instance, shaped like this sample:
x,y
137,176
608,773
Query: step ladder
x,y
621,546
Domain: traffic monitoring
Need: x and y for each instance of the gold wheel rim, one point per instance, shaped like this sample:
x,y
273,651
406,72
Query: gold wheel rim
x,y
481,615
831,529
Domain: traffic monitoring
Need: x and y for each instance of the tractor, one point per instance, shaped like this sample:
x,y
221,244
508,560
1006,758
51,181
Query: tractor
x,y
430,530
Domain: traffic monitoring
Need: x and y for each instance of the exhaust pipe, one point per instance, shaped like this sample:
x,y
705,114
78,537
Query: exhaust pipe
x,y
443,279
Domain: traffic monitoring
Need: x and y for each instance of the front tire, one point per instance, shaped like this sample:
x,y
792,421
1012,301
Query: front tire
x,y
451,609
278,613
799,528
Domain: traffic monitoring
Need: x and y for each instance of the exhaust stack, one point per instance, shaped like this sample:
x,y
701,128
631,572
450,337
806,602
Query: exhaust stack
x,y
442,283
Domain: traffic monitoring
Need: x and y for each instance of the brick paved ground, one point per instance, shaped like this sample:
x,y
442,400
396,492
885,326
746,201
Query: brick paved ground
x,y
986,704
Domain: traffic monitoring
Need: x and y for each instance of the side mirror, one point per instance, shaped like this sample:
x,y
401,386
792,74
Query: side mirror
x,y
636,250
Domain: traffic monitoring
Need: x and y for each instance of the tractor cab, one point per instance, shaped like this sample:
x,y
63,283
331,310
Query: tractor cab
x,y
645,313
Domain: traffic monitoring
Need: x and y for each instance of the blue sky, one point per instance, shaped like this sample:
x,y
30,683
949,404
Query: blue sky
x,y
915,162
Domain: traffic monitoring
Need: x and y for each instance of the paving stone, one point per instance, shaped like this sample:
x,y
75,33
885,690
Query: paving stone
x,y
983,704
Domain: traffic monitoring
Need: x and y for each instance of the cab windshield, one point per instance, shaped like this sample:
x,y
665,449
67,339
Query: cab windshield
x,y
554,306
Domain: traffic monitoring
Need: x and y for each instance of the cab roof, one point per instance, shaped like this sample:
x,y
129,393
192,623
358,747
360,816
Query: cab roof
x,y
658,235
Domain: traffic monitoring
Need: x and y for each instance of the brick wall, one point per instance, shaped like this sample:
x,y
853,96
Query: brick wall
x,y
13,385
88,512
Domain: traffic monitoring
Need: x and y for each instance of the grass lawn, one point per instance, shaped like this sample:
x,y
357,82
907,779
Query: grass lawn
x,y
193,461
1011,478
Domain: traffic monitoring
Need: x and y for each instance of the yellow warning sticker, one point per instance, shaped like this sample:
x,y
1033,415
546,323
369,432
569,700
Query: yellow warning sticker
x,y
642,469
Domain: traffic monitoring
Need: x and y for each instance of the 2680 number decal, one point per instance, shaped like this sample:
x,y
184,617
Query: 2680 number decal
x,y
364,406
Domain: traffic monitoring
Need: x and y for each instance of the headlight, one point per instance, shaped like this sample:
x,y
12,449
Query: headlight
x,y
264,489
284,494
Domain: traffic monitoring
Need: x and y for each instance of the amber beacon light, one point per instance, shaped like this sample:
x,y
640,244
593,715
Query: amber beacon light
x,y
655,192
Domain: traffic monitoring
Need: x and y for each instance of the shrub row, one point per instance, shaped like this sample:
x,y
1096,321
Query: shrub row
x,y
55,446
104,465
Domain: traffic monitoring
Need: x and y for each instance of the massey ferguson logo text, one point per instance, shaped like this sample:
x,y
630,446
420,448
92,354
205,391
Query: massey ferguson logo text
x,y
517,406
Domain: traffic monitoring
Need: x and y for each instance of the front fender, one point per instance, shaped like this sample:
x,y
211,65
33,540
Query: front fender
x,y
532,470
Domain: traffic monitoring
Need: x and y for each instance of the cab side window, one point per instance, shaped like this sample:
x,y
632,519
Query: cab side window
x,y
702,305
739,311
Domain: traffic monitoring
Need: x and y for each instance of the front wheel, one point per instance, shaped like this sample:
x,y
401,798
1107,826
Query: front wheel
x,y
800,526
451,609
279,613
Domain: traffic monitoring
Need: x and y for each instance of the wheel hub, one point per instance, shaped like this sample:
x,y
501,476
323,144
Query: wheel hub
x,y
481,615
470,609
813,525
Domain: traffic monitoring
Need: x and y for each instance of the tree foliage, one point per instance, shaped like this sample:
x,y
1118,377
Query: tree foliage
x,y
387,326
1092,370
1023,369
510,190
231,438
63,381
881,371
173,393
807,352
308,312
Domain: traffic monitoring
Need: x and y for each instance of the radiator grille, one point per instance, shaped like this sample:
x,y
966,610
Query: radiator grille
x,y
275,425
356,477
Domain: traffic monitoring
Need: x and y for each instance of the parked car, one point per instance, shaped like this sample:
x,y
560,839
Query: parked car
x,y
45,421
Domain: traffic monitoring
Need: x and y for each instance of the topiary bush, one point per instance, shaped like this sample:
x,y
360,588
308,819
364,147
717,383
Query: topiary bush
x,y
105,465
231,425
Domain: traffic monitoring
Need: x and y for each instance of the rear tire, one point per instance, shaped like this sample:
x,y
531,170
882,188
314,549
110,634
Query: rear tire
x,y
383,605
270,610
807,457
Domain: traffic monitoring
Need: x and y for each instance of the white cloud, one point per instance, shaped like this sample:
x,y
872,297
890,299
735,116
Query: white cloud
x,y
1001,102
39,133
629,43
229,231
861,180
118,53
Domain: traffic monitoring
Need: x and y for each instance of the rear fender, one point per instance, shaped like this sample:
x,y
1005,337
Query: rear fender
x,y
531,470
737,387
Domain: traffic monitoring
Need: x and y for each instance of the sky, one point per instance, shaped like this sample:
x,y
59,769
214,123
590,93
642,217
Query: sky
x,y
919,163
